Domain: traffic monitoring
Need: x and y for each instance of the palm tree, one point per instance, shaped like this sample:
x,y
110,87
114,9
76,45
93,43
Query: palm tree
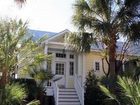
x,y
129,91
12,94
105,21
17,50
20,2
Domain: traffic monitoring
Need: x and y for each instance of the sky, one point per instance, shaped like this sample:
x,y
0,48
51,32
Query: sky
x,y
45,15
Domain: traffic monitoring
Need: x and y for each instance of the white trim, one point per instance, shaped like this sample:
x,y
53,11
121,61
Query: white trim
x,y
58,35
100,65
84,69
56,43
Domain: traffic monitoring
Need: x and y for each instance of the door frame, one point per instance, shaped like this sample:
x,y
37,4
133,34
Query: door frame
x,y
64,75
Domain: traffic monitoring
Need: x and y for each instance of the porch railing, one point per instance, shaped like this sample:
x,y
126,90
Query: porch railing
x,y
79,89
56,92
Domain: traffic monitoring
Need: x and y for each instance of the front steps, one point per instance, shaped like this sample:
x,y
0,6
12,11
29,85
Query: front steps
x,y
68,97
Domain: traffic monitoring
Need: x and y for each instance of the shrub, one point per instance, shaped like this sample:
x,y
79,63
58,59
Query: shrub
x,y
30,86
12,94
93,94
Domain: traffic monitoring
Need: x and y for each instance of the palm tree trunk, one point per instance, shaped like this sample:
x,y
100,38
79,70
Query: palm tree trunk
x,y
4,79
112,54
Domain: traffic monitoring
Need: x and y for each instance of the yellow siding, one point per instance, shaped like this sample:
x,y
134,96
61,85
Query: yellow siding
x,y
90,60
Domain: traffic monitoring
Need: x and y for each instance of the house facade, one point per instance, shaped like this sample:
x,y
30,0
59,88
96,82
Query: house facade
x,y
68,67
71,68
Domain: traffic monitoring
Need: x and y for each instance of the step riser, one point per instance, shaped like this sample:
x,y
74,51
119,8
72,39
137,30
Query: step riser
x,y
68,97
69,100
67,93
71,97
69,103
67,90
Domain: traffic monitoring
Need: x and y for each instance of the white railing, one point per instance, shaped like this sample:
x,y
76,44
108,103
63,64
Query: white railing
x,y
79,89
56,92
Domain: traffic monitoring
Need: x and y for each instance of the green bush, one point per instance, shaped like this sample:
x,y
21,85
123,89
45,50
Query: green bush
x,y
93,94
30,86
12,94
128,94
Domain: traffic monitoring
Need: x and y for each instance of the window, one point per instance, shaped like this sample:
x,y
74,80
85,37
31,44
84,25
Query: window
x,y
71,56
60,68
60,55
71,70
49,65
97,66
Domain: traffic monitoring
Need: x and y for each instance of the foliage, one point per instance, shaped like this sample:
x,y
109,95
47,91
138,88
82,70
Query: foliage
x,y
40,74
30,86
105,21
35,102
93,94
20,2
129,89
12,94
17,51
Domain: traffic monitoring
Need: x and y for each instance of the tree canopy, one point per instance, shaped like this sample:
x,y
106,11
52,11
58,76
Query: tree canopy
x,y
17,50
105,21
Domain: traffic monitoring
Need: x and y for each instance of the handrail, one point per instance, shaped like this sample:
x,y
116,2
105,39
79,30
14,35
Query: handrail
x,y
79,89
56,92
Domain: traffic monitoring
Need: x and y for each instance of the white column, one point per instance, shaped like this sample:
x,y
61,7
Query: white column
x,y
84,69
46,48
67,69
53,63
45,52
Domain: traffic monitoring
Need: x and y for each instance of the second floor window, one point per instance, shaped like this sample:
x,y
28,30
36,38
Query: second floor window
x,y
71,56
60,55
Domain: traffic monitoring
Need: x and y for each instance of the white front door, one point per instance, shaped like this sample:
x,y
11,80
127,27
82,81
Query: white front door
x,y
60,72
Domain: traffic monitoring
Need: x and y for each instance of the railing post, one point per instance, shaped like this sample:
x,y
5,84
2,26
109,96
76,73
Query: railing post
x,y
83,100
79,89
56,92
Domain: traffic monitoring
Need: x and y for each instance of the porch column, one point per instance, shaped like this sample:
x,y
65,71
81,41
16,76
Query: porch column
x,y
45,52
84,69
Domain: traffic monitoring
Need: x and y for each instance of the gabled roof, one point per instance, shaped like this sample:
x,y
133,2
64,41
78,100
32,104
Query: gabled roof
x,y
37,34
62,33
133,49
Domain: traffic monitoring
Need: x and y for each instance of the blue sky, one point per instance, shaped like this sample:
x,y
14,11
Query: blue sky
x,y
48,15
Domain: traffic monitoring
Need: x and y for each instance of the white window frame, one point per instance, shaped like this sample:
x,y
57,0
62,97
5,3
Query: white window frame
x,y
63,55
59,72
94,65
97,67
71,69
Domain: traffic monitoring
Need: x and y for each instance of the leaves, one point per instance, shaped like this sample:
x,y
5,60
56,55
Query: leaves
x,y
81,41
102,18
129,89
107,92
12,94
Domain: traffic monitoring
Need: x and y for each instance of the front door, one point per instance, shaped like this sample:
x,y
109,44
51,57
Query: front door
x,y
60,73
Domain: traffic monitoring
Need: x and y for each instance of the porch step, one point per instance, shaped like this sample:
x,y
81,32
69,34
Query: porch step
x,y
68,96
67,90
69,103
